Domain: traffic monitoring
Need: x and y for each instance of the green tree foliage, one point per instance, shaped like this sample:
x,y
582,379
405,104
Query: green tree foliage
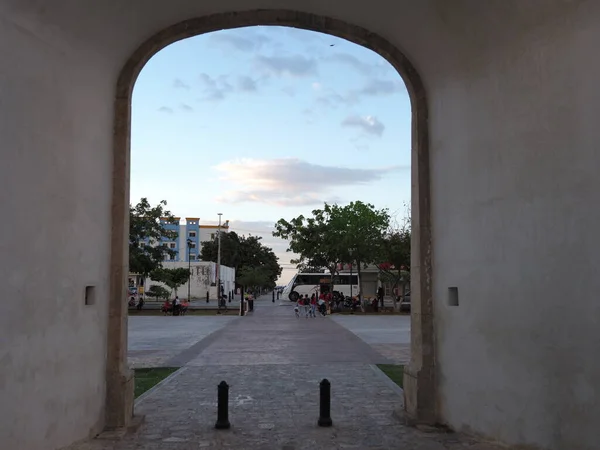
x,y
350,234
144,223
394,264
157,292
360,228
253,278
171,277
241,252
316,242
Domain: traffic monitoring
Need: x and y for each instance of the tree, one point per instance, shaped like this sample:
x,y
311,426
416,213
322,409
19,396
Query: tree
x,y
230,250
360,227
394,266
242,252
158,292
318,244
253,278
173,278
147,236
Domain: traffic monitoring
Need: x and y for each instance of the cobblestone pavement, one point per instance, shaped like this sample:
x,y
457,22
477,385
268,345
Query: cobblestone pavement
x,y
273,363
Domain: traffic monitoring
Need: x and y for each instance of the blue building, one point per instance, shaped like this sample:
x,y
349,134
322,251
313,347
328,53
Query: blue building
x,y
188,243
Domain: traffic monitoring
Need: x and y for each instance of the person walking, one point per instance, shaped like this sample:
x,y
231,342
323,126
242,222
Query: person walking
x,y
176,306
307,305
380,295
313,306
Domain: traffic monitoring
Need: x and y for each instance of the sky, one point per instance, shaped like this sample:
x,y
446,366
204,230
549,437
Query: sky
x,y
263,123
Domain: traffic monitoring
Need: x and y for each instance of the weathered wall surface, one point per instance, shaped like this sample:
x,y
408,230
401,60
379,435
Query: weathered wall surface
x,y
55,170
514,158
513,98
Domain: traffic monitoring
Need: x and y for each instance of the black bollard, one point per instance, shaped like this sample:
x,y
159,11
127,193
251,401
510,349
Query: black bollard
x,y
222,406
273,296
325,404
207,297
242,302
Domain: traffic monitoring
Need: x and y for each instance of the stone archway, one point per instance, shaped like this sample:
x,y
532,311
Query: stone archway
x,y
419,379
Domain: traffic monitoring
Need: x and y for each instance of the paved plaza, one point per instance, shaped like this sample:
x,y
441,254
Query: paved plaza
x,y
155,340
273,363
389,335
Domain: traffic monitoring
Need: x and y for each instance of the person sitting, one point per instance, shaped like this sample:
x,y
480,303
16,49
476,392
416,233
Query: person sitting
x,y
223,303
184,307
166,307
140,304
322,306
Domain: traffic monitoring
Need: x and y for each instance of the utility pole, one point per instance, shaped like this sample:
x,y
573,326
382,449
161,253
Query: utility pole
x,y
189,244
219,262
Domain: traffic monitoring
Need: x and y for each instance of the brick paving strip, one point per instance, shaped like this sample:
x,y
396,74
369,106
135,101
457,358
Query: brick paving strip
x,y
273,363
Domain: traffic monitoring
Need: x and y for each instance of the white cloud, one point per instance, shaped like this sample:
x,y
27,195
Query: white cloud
x,y
180,84
293,66
289,90
215,88
290,181
185,107
382,87
246,84
368,124
239,40
352,61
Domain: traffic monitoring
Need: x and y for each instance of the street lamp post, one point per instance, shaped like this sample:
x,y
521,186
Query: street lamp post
x,y
219,262
351,264
189,244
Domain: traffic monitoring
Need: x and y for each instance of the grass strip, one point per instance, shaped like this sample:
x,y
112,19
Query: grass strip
x,y
395,372
150,377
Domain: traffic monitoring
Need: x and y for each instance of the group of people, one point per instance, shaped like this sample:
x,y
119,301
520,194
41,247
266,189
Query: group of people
x,y
175,307
308,306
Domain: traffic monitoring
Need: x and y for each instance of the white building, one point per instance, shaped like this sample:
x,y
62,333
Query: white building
x,y
203,279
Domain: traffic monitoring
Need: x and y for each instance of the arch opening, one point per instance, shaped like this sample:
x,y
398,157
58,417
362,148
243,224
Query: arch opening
x,y
419,378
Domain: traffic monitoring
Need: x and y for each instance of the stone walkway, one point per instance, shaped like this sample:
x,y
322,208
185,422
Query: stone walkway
x,y
273,363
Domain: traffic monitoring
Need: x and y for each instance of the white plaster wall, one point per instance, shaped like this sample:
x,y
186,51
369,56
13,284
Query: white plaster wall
x,y
200,281
55,170
513,134
514,195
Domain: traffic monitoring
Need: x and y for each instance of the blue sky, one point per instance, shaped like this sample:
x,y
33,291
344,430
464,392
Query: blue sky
x,y
262,123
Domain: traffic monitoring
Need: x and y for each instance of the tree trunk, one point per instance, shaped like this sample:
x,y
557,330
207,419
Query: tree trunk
x,y
360,286
332,271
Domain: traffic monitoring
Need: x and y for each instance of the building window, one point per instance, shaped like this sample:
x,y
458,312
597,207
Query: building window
x,y
171,245
192,234
192,245
192,257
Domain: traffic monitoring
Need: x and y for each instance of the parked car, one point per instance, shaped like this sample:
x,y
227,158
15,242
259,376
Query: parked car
x,y
405,302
